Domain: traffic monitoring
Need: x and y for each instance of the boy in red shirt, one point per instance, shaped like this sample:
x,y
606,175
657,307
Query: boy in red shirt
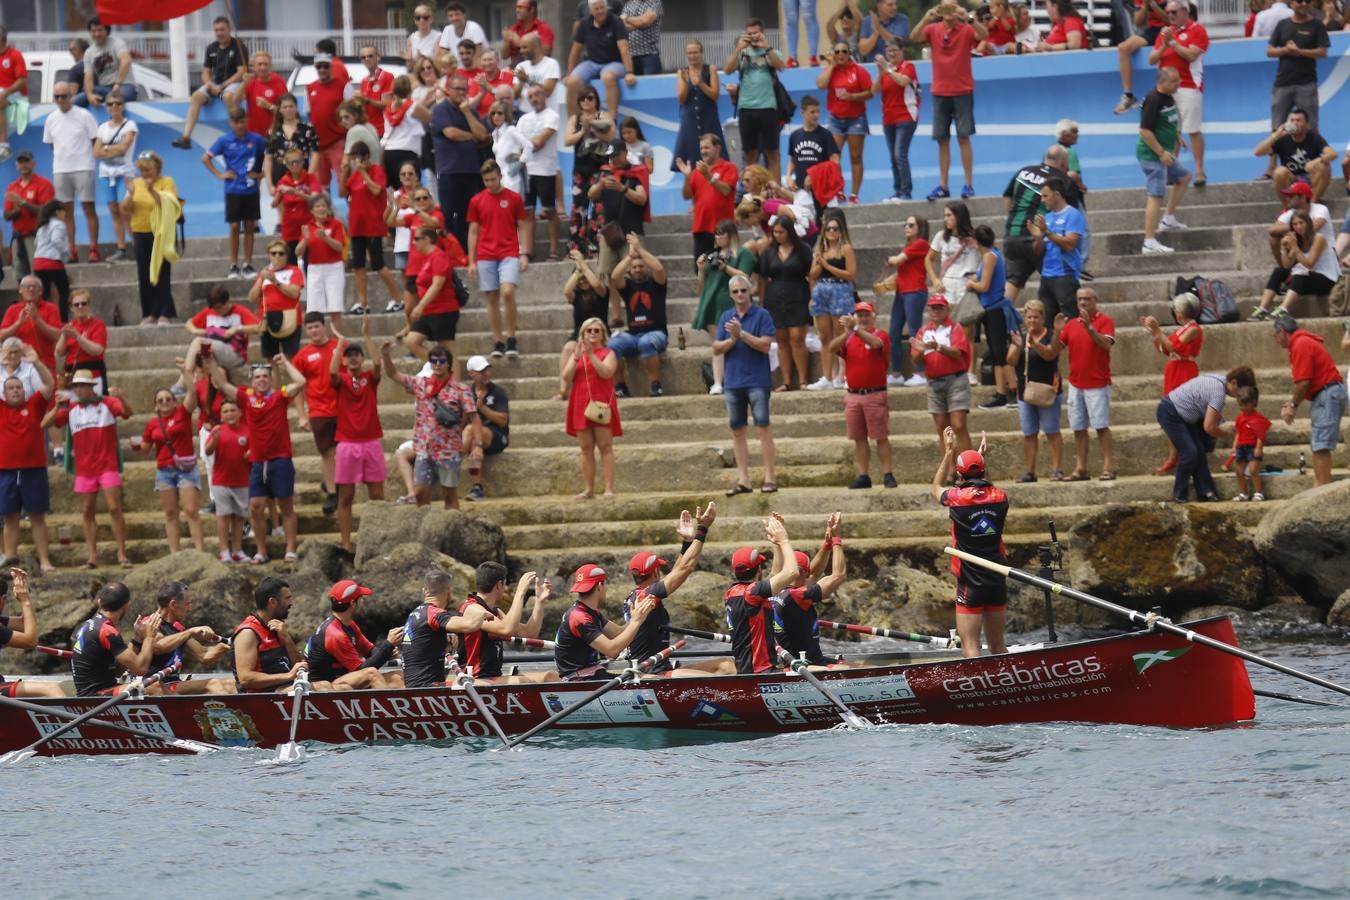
x,y
294,191
496,218
228,442
363,184
1249,449
355,377
318,412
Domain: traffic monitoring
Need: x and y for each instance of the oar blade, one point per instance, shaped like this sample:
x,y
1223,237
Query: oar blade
x,y
856,722
290,752
15,757
195,746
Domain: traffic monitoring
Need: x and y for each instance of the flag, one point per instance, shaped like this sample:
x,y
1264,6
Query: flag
x,y
131,12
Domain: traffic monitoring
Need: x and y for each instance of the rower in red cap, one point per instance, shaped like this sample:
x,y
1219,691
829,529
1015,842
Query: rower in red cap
x,y
749,602
340,653
585,635
795,620
978,510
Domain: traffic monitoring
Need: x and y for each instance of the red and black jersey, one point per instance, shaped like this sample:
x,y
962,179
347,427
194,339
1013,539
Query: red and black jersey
x,y
579,626
978,511
795,623
98,643
479,649
335,648
424,643
654,634
162,661
273,657
749,608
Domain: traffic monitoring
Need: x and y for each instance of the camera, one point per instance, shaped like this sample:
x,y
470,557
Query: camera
x,y
713,260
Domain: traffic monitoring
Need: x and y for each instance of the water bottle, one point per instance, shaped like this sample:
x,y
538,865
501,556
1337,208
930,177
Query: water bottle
x,y
680,340
1302,465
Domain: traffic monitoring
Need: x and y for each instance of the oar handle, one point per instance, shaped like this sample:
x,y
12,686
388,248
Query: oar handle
x,y
706,635
647,664
55,651
536,643
885,632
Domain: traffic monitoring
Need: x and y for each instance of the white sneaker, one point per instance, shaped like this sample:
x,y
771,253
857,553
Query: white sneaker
x,y
916,380
821,384
225,556
1258,496
895,381
1153,248
1170,223
1240,498
840,383
892,200
715,390
973,379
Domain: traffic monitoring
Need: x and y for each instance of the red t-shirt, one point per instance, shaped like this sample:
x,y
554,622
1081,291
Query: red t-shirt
x,y
413,221
37,191
1154,20
317,251
1066,26
950,334
538,26
93,435
273,300
259,119
90,329
900,104
863,366
1002,31
1251,427
324,100
951,59
21,444
313,362
28,331
374,88
710,205
12,69
358,412
216,325
1192,73
209,401
231,467
496,216
910,275
1089,365
487,97
295,213
854,79
437,264
170,435
365,211
1309,361
268,426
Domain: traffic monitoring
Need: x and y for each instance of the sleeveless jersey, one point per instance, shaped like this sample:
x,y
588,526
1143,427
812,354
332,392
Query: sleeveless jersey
x,y
273,658
335,649
978,511
163,660
480,649
94,667
579,626
424,643
749,609
654,634
795,622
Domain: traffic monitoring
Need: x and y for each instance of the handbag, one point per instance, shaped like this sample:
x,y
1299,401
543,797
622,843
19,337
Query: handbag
x,y
1034,393
281,324
597,411
968,311
182,463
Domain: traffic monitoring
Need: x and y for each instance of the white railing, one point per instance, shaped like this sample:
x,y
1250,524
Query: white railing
x,y
150,47
717,45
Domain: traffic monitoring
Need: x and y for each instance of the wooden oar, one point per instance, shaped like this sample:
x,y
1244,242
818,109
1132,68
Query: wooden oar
x,y
14,757
527,657
941,642
291,751
706,635
168,740
1148,620
464,681
803,668
533,643
629,676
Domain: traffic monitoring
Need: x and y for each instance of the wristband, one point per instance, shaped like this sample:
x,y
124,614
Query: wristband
x,y
825,544
701,533
685,547
836,542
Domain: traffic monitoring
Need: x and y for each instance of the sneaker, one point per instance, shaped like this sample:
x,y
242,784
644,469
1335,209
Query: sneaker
x,y
1127,102
938,193
973,379
889,481
182,143
1085,275
840,383
59,455
861,482
821,384
234,274
998,401
916,380
93,254
225,556
393,306
1153,248
1258,497
892,200
119,255
357,310
791,63
967,191
852,199
621,391
511,351
1260,314
815,61
1241,498
248,271
715,390
655,389
1171,223
895,381
498,350
1026,478
239,556
330,504
476,493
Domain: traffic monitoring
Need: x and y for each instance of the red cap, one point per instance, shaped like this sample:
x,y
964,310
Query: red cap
x,y
938,300
970,462
587,577
644,563
746,559
1301,188
803,562
864,306
346,591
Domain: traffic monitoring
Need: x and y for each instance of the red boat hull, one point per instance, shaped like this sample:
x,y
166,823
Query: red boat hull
x,y
1140,678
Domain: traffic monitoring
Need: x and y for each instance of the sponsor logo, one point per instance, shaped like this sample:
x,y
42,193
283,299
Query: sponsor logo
x,y
1016,676
801,694
621,707
984,524
46,723
222,725
146,718
706,710
1145,661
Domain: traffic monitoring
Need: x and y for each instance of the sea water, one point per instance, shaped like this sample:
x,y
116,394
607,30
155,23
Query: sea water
x,y
934,811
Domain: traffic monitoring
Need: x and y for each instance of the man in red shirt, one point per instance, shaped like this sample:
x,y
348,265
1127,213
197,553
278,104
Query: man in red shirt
x,y
1181,45
326,94
527,22
13,79
376,88
1089,338
355,377
496,219
945,350
484,87
1316,380
23,462
23,198
318,408
86,338
262,92
953,40
34,321
866,350
228,447
363,185
711,184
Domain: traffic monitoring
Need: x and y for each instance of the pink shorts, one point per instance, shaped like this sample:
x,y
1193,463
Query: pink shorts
x,y
360,462
92,484
867,416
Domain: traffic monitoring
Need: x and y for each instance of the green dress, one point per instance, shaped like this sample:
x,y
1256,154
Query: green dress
x,y
716,297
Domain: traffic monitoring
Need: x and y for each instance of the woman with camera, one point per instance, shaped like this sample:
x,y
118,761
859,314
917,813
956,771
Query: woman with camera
x,y
715,271
834,265
781,274
593,408
590,133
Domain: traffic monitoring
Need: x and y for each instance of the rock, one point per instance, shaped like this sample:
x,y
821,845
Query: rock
x,y
326,558
1308,542
897,597
396,579
222,594
1339,615
469,539
1165,554
1240,616
1297,613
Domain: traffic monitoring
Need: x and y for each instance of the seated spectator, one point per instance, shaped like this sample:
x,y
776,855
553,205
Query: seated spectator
x,y
224,65
744,335
51,249
24,490
1027,35
945,350
1002,27
107,67
884,23
593,406
424,42
1310,259
587,292
1038,409
1067,31
1298,197
23,198
604,39
725,261
640,281
443,408
491,434
642,18
1303,155
845,26
222,329
527,24
86,339
459,28
834,266
177,481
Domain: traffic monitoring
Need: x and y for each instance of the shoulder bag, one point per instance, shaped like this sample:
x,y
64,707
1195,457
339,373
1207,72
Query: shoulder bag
x,y
596,411
1034,393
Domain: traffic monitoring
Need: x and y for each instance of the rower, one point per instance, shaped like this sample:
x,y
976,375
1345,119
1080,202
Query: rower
x,y
101,654
339,652
795,620
429,628
265,655
585,636
650,583
26,639
482,650
977,510
178,643
749,602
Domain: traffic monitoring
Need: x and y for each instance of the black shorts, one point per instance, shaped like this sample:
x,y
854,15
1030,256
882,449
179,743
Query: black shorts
x,y
438,326
289,345
324,430
1150,34
1278,282
1311,284
759,130
410,284
541,188
972,598
499,442
1019,260
996,335
368,249
242,208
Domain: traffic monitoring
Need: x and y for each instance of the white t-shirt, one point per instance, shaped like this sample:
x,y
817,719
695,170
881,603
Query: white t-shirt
x,y
406,135
1267,19
547,69
402,233
472,30
121,166
424,46
508,142
543,161
966,264
1326,264
71,135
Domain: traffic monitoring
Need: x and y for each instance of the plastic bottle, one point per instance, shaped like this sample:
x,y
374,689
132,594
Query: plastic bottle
x,y
1302,465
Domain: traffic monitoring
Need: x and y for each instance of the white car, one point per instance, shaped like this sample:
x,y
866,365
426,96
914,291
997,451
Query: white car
x,y
303,74
45,69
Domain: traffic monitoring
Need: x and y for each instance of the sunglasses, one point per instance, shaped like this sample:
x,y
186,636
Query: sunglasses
x,y
438,360
276,252
740,290
422,197
322,66
61,96
595,331
79,305
911,224
295,162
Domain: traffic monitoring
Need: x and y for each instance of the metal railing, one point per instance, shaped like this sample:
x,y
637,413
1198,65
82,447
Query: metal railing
x,y
152,48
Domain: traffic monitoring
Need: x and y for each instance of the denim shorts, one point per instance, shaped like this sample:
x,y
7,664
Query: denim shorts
x,y
959,109
832,298
589,71
851,125
1158,176
644,344
740,401
1327,408
1040,419
428,471
173,478
1089,408
493,273
110,190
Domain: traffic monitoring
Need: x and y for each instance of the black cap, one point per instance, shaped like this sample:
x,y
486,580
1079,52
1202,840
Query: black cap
x,y
22,155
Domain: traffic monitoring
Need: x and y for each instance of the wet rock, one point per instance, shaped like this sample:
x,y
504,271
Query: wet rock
x,y
222,594
1308,542
1340,611
897,597
469,539
396,579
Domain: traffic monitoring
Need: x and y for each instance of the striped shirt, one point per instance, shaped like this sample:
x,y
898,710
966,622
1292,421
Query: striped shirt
x,y
1197,395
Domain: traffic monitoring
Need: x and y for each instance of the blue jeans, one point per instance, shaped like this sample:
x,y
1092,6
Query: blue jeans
x,y
128,94
1193,448
792,9
906,319
898,137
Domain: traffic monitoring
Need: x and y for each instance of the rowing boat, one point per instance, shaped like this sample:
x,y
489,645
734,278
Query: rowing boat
x,y
1140,678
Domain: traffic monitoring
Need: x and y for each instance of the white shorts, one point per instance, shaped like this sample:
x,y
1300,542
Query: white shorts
x,y
1190,109
230,90
325,287
71,186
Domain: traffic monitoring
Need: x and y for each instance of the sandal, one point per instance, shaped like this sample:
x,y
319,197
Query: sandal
x,y
768,487
554,257
1056,474
291,556
1076,475
782,388
1107,476
125,563
1166,468
584,495
739,489
89,564
258,559
1026,478
407,499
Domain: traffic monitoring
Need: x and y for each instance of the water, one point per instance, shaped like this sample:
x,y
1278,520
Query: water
x,y
938,811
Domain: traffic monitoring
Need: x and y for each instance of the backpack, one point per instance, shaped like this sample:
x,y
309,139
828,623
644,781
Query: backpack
x,y
1217,303
787,107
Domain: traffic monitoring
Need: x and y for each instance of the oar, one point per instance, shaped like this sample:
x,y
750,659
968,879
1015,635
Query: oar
x,y
803,668
527,657
464,681
629,676
941,642
55,651
706,635
533,643
291,751
14,757
1148,620
1276,695
178,743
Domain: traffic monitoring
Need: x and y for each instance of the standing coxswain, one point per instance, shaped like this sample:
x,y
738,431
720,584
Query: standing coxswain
x,y
25,639
585,637
429,629
339,651
796,625
482,650
265,655
101,653
749,602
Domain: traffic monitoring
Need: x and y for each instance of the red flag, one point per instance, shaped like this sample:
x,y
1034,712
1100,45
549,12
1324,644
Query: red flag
x,y
130,12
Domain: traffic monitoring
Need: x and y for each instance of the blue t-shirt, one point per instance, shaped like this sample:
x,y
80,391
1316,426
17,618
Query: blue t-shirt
x,y
452,157
747,367
241,156
997,283
898,26
1057,262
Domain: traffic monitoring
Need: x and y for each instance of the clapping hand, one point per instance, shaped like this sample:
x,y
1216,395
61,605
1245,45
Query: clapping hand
x,y
1060,321
984,443
847,322
734,328
949,439
685,527
684,167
